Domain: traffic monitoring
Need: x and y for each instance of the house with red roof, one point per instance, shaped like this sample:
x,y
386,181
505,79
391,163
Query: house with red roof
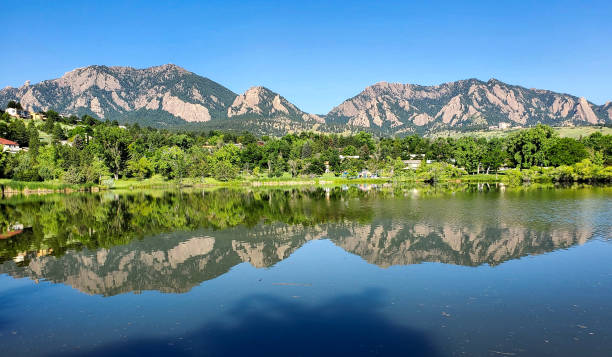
x,y
10,146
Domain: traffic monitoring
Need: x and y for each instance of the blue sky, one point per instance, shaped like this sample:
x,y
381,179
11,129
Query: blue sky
x,y
318,53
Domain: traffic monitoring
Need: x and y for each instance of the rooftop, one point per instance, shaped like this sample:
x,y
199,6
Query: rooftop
x,y
7,142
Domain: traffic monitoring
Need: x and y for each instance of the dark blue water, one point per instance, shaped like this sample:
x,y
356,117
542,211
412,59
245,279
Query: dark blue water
x,y
403,273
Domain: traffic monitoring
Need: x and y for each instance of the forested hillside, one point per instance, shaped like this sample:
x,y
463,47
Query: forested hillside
x,y
85,150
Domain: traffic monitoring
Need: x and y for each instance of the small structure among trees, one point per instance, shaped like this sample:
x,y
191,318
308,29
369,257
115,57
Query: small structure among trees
x,y
9,146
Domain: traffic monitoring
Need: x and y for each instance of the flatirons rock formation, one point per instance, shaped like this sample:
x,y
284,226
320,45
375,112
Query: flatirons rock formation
x,y
177,262
606,110
157,96
172,96
263,111
397,108
262,102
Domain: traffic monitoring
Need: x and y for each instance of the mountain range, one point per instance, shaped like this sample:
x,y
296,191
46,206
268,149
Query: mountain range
x,y
176,262
170,96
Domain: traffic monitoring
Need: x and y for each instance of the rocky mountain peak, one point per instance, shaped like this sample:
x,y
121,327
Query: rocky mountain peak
x,y
167,95
261,101
406,108
264,112
161,95
260,93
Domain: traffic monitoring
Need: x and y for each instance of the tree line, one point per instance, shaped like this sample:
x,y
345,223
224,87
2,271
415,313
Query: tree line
x,y
86,150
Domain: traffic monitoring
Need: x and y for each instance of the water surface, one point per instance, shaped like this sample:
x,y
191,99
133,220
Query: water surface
x,y
348,270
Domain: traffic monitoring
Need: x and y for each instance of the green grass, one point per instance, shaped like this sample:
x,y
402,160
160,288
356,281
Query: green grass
x,y
45,185
482,178
569,132
158,181
45,137
582,131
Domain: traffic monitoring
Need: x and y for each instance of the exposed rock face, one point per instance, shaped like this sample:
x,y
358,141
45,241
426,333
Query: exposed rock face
x,y
606,110
158,95
259,104
395,107
170,95
404,245
163,263
176,264
585,112
184,110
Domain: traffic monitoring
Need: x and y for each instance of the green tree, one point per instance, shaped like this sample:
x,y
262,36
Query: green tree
x,y
494,155
307,150
96,170
33,139
317,166
58,133
47,165
141,168
528,148
599,143
440,150
468,154
223,170
294,166
349,150
18,132
52,118
112,145
198,162
24,169
15,105
401,171
174,163
224,163
566,151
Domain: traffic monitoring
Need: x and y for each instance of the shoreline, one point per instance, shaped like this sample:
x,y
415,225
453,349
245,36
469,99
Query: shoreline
x,y
10,188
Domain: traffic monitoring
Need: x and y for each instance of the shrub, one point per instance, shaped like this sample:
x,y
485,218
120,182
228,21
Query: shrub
x,y
513,177
73,176
437,171
564,174
224,171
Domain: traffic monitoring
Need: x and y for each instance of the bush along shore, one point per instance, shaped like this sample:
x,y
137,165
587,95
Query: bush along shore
x,y
12,187
582,172
64,154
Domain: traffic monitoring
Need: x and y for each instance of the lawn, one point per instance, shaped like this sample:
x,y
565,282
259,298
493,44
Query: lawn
x,y
569,132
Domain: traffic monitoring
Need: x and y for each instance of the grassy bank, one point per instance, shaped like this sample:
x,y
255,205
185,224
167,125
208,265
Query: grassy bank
x,y
158,181
12,187
564,132
482,178
581,172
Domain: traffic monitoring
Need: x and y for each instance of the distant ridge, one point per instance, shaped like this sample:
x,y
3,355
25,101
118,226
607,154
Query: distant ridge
x,y
396,107
168,95
159,96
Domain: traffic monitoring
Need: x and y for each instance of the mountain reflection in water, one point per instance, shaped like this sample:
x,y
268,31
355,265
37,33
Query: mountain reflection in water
x,y
110,244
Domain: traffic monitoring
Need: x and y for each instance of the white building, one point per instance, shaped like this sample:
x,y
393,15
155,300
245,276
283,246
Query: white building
x,y
24,114
9,146
411,164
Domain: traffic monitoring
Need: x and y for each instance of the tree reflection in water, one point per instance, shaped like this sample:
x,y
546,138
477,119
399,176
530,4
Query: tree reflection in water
x,y
96,243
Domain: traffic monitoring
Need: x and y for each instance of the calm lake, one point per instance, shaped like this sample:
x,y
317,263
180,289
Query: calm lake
x,y
359,270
